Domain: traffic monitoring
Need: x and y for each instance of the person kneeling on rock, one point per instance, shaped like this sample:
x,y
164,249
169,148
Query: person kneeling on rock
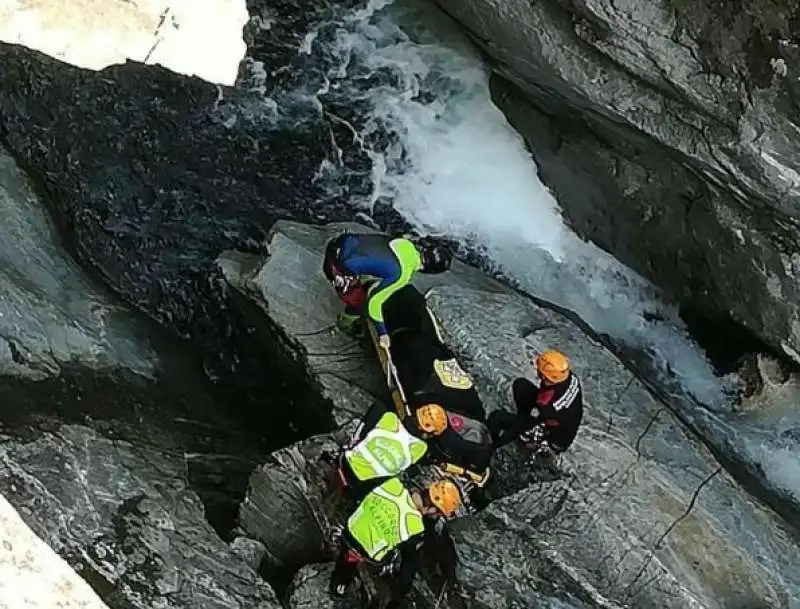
x,y
387,531
392,261
548,416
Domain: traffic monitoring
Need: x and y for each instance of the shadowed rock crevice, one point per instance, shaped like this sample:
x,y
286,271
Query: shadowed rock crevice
x,y
727,342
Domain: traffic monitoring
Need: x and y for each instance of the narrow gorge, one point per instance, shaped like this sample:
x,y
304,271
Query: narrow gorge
x,y
169,373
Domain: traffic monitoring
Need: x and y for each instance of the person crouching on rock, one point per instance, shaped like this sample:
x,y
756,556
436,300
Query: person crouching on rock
x,y
381,447
392,261
548,416
386,533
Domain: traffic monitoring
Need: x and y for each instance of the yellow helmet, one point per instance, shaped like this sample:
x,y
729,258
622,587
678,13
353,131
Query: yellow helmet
x,y
445,496
432,418
553,366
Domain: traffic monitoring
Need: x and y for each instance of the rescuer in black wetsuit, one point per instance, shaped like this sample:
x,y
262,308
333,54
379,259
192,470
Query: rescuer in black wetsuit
x,y
389,262
547,416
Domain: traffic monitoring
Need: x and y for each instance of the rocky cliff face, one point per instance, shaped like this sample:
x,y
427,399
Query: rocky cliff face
x,y
668,130
150,174
114,448
639,513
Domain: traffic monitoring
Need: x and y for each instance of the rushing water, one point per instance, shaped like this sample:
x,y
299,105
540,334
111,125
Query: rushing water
x,y
407,103
454,166
404,85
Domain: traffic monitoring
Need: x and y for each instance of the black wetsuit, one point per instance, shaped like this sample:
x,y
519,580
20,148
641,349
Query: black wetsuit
x,y
358,489
558,408
440,547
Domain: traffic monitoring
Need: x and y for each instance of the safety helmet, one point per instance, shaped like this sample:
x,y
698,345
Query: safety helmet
x,y
436,256
553,366
432,418
445,496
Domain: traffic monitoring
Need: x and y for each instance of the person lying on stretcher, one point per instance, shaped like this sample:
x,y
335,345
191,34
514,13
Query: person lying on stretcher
x,y
429,373
433,382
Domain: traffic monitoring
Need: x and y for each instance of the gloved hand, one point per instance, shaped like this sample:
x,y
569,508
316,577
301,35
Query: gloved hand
x,y
349,324
384,341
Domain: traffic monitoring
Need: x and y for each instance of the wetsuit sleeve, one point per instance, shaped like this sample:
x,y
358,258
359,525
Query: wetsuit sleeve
x,y
389,272
548,413
506,427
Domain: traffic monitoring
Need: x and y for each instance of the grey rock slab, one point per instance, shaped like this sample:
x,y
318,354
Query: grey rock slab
x,y
646,497
50,314
290,503
642,514
126,519
689,231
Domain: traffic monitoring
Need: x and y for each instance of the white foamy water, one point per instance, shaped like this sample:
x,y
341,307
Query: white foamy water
x,y
467,174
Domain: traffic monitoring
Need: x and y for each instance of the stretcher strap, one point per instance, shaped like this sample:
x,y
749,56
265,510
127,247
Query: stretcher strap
x,y
475,478
392,382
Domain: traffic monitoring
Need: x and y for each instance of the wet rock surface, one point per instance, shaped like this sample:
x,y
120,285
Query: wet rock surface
x,y
151,173
127,520
123,198
668,132
666,145
760,444
114,447
640,514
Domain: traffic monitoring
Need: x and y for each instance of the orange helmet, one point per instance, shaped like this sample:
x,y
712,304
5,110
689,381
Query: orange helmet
x,y
553,366
445,496
432,418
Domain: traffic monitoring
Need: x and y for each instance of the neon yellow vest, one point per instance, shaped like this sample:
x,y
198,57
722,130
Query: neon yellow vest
x,y
387,450
386,518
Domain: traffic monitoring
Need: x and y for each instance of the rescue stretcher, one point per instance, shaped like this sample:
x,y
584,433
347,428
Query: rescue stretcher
x,y
467,477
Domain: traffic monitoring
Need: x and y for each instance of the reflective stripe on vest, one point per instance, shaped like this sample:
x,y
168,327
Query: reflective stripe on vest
x,y
387,450
386,518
